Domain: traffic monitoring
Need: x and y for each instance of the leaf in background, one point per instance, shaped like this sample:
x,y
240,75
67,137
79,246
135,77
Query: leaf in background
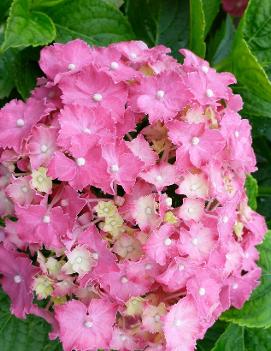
x,y
117,3
26,27
252,191
6,71
256,312
257,339
159,23
231,340
257,32
210,9
4,6
211,336
197,28
26,71
220,43
30,334
94,21
45,3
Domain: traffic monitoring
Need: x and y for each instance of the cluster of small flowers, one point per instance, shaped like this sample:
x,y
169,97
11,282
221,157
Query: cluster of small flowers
x,y
123,198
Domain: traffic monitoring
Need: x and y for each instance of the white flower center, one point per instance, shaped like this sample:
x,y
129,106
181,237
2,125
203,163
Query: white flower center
x,y
195,140
148,210
20,122
133,55
195,241
114,65
205,69
86,131
71,66
209,93
158,178
44,148
46,219
124,280
235,286
97,97
123,337
225,219
236,133
64,202
178,323
160,94
148,266
202,291
181,267
169,201
114,168
24,189
17,279
88,324
95,255
167,242
80,161
157,318
79,259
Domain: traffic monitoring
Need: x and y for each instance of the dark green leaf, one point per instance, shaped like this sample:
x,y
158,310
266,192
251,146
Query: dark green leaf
x,y
256,312
4,6
45,3
95,21
26,27
197,28
232,339
6,71
23,335
210,9
211,336
26,71
160,22
257,339
252,191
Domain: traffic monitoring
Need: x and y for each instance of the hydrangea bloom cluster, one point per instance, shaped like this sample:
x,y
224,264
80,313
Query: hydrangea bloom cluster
x,y
122,193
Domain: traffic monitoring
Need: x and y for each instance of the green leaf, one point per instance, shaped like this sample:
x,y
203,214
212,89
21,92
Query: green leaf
x,y
26,27
30,334
257,32
159,23
211,9
117,3
252,191
45,3
6,71
4,6
232,339
256,312
257,339
211,336
197,28
94,21
26,71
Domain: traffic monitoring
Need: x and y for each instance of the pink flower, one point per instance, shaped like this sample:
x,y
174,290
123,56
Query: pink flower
x,y
42,145
93,88
17,120
161,175
182,326
85,327
161,97
59,59
141,149
18,274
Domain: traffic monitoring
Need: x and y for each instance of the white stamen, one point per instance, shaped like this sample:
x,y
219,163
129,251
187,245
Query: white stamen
x,y
169,201
97,97
114,65
178,323
80,161
95,255
114,168
148,266
195,140
86,131
202,291
79,259
195,241
205,69
40,179
209,93
181,267
148,210
123,337
20,122
46,219
236,133
17,279
167,242
133,55
88,324
225,219
44,148
24,189
124,280
157,318
160,94
235,286
158,178
71,66
194,187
